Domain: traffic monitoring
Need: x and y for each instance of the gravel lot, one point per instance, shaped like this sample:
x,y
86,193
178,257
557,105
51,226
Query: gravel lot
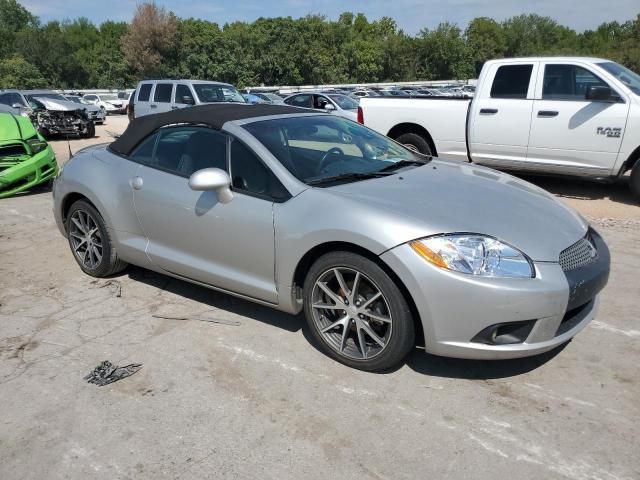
x,y
258,401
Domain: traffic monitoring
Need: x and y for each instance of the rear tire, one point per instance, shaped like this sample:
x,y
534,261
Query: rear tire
x,y
634,181
414,141
90,241
370,333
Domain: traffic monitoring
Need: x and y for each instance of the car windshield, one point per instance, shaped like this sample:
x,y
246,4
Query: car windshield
x,y
109,98
629,78
344,102
73,99
324,147
211,93
52,96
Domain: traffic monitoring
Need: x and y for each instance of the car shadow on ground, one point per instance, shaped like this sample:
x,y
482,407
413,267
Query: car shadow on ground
x,y
418,360
583,189
214,299
436,366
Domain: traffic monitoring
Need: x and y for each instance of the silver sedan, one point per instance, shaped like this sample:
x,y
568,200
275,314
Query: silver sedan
x,y
383,249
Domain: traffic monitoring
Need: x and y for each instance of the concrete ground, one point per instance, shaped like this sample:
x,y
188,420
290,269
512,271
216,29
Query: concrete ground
x,y
257,401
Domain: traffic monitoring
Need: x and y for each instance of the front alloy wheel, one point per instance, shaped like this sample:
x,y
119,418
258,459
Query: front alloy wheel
x,y
351,313
356,312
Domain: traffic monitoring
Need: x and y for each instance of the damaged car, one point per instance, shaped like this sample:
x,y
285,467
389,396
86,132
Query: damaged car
x,y
95,113
50,112
26,159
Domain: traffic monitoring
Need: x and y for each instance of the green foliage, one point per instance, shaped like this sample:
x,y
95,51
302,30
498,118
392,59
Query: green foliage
x,y
16,72
280,51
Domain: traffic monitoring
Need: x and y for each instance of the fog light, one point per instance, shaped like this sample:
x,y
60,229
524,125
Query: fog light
x,y
505,333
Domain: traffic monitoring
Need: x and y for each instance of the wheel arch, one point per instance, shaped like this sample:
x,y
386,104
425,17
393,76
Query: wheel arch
x,y
317,251
630,162
408,127
69,200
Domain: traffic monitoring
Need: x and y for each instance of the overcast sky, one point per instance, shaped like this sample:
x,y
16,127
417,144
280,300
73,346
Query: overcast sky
x,y
411,15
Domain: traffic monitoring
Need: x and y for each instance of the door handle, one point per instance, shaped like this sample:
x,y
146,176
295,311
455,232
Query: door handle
x,y
174,107
153,106
136,182
547,113
489,111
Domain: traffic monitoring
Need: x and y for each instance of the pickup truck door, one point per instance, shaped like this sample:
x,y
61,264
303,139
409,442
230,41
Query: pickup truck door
x,y
500,115
570,134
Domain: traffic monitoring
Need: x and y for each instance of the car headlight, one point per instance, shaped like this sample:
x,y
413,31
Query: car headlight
x,y
474,255
36,145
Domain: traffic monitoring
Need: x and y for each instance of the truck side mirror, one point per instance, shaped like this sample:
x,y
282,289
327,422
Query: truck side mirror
x,y
188,100
600,93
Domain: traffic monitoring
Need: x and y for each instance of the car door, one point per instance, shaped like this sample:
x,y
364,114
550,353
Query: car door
x,y
193,235
570,134
142,103
501,115
162,96
183,96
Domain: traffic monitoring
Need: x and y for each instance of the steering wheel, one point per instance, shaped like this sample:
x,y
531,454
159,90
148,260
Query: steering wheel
x,y
327,157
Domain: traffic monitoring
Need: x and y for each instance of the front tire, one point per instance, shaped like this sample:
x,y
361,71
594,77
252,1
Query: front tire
x,y
90,241
415,142
356,313
90,130
634,181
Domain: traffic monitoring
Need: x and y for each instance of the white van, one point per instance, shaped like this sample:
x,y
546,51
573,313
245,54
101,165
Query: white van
x,y
156,96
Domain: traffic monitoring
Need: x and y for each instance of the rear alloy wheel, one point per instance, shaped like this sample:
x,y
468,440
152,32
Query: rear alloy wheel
x,y
90,241
415,142
356,312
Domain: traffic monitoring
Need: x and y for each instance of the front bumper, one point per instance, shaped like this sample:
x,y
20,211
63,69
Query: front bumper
x,y
455,308
28,173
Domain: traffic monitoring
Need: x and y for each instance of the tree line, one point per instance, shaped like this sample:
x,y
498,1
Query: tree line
x,y
280,51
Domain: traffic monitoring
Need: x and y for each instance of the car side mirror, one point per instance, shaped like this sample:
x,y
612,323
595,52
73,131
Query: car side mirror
x,y
17,105
599,93
329,107
209,179
188,100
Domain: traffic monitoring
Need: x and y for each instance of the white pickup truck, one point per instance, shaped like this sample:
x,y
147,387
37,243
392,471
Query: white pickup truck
x,y
556,115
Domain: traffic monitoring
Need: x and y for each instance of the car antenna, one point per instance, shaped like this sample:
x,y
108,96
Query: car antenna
x,y
69,147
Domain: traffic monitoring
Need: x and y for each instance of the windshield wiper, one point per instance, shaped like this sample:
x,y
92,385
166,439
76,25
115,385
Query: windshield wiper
x,y
402,163
354,176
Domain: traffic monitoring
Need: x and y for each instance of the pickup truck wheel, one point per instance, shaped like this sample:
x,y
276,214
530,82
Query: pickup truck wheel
x,y
634,181
415,142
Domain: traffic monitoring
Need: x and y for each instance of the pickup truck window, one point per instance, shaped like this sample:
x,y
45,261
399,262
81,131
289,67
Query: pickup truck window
x,y
511,81
568,82
629,78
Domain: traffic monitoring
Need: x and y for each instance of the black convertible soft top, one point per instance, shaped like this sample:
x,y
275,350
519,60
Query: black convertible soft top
x,y
214,115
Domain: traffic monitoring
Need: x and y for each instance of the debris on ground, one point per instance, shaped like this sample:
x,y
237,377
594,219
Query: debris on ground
x,y
234,323
115,285
106,373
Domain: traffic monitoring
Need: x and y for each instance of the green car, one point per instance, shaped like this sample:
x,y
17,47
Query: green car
x,y
26,159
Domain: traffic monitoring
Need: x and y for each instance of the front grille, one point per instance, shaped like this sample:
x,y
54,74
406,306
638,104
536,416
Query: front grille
x,y
578,255
13,150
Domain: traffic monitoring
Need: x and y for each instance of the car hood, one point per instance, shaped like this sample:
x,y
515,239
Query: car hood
x,y
59,105
9,129
447,197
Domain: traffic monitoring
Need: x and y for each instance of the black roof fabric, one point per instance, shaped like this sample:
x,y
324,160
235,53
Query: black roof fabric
x,y
214,115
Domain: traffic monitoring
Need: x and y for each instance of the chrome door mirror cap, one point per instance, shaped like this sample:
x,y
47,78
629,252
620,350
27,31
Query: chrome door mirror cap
x,y
212,179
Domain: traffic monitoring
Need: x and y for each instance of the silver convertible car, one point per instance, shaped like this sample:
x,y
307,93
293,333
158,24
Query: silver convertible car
x,y
382,248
